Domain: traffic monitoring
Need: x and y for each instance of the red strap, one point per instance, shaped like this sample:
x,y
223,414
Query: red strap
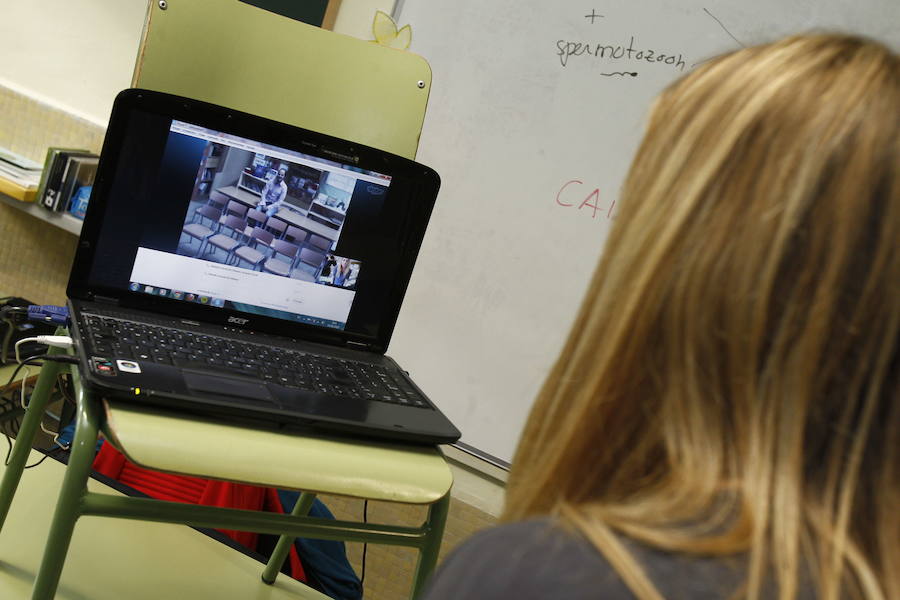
x,y
196,490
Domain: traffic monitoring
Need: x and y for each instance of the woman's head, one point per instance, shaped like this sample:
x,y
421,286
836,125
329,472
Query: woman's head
x,y
737,351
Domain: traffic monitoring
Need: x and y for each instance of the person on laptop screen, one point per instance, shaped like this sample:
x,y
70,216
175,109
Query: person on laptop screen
x,y
273,193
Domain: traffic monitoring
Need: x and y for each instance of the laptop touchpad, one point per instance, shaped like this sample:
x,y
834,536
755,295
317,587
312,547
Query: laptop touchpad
x,y
226,386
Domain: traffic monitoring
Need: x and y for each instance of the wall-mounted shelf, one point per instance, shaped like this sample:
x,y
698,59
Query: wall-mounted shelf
x,y
251,183
64,221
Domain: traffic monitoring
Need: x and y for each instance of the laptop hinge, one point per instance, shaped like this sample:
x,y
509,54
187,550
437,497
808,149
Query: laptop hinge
x,y
106,299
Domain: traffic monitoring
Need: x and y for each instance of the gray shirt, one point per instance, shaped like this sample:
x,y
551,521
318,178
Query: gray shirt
x,y
535,559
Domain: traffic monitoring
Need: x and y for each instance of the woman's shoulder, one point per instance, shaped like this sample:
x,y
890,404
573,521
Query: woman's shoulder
x,y
528,559
541,559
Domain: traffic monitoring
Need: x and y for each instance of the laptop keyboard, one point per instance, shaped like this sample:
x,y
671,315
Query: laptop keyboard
x,y
121,338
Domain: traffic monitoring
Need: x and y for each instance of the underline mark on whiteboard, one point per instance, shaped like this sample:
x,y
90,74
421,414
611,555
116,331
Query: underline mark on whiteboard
x,y
722,25
620,73
593,16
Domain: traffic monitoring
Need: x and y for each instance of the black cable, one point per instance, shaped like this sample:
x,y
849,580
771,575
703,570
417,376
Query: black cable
x,y
42,459
62,384
30,361
7,338
62,358
10,327
16,372
362,577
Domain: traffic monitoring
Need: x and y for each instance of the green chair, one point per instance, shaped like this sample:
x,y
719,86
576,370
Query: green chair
x,y
349,88
169,442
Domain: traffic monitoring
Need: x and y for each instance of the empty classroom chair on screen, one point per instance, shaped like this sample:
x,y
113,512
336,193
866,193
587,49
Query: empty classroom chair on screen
x,y
251,252
311,260
225,240
255,218
261,239
295,235
318,242
236,208
279,267
276,227
218,200
198,230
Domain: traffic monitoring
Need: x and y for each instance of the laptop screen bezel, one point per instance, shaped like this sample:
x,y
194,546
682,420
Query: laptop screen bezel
x,y
412,183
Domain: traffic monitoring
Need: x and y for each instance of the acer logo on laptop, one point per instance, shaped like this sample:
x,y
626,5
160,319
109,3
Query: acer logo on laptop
x,y
237,320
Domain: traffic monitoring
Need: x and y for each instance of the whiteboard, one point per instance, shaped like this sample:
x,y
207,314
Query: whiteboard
x,y
532,134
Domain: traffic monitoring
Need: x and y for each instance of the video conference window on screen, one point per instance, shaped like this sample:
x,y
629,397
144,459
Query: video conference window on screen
x,y
259,231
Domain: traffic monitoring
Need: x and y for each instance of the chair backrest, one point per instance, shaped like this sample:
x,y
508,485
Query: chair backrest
x,y
236,208
218,199
256,217
294,233
322,243
209,212
235,222
366,83
276,226
311,257
286,248
262,235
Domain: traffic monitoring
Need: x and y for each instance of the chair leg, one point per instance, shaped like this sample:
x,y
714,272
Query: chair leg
x,y
30,423
273,567
428,555
74,486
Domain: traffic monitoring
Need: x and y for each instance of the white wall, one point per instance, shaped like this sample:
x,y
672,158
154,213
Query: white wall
x,y
73,54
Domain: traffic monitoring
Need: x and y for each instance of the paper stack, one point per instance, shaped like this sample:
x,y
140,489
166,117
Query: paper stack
x,y
20,170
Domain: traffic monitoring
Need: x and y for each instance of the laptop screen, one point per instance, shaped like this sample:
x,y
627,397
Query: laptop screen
x,y
232,218
276,217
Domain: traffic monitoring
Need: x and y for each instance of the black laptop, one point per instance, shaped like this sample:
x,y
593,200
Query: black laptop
x,y
234,266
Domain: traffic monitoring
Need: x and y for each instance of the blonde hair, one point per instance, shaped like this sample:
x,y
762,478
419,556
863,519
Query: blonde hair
x,y
730,385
